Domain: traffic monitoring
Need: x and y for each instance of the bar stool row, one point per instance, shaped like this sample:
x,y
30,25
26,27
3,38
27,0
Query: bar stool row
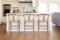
x,y
14,21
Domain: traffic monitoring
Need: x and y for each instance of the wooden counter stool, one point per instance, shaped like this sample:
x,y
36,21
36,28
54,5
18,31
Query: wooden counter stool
x,y
28,22
43,18
14,22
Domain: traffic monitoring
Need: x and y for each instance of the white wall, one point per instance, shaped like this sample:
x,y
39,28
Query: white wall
x,y
59,4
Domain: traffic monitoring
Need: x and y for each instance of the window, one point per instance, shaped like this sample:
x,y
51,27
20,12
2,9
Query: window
x,y
53,7
42,8
47,7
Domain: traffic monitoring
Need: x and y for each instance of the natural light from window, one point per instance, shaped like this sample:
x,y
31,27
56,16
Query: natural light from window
x,y
53,7
42,8
47,7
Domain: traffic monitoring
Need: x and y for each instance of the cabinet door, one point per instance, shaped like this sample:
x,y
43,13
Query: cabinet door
x,y
34,3
0,5
0,11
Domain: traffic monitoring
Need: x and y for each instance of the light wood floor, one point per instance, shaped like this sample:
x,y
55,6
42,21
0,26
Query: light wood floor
x,y
53,35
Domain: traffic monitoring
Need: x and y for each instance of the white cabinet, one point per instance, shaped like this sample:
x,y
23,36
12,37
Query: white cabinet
x,y
6,1
34,3
0,11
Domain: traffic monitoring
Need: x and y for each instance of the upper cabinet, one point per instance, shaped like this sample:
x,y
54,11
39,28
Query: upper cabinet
x,y
0,11
0,6
34,3
6,1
